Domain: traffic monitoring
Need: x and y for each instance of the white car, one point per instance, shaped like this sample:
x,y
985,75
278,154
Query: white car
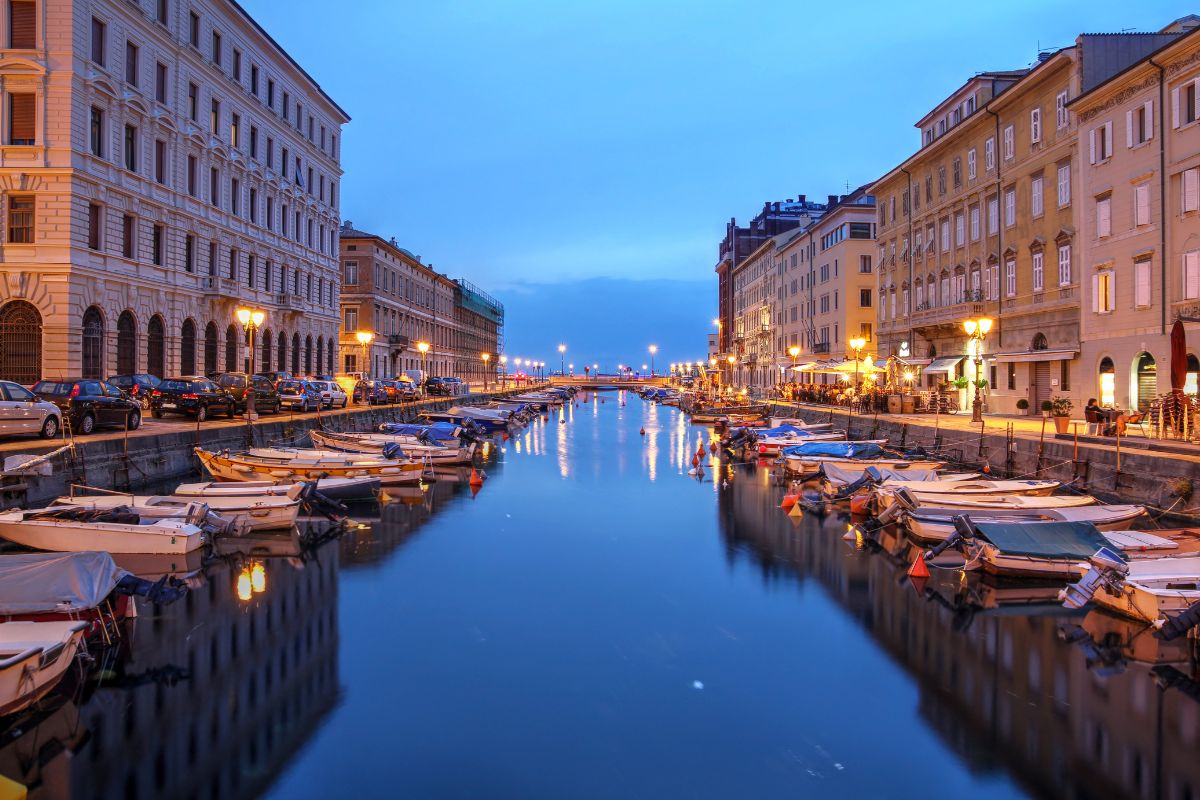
x,y
331,394
22,411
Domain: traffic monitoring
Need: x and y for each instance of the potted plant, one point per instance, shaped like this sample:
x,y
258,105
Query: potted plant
x,y
1023,406
1047,407
961,382
1061,408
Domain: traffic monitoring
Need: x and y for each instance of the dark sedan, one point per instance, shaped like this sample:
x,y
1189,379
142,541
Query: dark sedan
x,y
138,386
192,396
90,404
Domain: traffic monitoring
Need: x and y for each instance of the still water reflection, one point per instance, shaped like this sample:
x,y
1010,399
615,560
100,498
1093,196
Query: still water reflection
x,y
594,623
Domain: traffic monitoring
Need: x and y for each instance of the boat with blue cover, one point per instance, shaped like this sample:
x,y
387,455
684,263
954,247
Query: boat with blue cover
x,y
808,458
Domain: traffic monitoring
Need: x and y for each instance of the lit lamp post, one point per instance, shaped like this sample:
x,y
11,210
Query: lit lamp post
x,y
486,358
653,350
364,341
562,357
503,371
251,319
732,360
976,329
423,348
793,351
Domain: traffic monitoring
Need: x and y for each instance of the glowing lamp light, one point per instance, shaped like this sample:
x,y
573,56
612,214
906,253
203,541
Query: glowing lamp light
x,y
244,588
423,347
793,351
364,337
258,577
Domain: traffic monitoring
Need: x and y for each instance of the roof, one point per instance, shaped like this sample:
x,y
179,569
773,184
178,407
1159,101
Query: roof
x,y
1173,40
348,232
1107,54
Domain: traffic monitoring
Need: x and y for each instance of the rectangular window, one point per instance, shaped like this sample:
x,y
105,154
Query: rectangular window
x,y
1100,143
22,24
350,319
156,244
1064,265
956,171
993,215
160,82
96,132
233,264
128,235
235,197
253,203
1141,204
99,36
971,164
1061,117
285,105
253,142
235,130
864,298
95,215
1139,124
1009,147
192,177
1191,189
1012,376
270,153
1191,275
1035,126
1064,185
214,186
864,264
214,123
22,113
974,223
941,181
1104,216
212,258
1010,207
131,148
351,270
945,236
1064,375
193,102
1035,196
1142,290
250,270
189,253
989,154
1039,271
20,219
283,162
237,65
160,161
270,220
216,48
270,94
162,11
131,63
1103,300
960,230
1010,278
254,79
194,29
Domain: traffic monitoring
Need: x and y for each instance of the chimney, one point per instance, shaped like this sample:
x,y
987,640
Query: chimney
x,y
347,224
833,198
802,199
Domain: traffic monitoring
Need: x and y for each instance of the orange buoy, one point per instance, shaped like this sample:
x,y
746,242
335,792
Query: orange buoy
x,y
695,461
918,568
788,501
858,504
712,448
476,479
642,431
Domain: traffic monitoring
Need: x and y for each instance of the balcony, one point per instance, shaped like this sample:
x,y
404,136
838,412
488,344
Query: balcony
x,y
215,287
821,348
950,316
289,301
397,341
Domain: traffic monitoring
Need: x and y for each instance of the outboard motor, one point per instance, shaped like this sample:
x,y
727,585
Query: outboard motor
x,y
870,477
1179,624
964,531
165,590
319,503
1108,569
393,450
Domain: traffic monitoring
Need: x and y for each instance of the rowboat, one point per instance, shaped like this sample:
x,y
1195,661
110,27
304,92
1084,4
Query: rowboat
x,y
972,487
393,446
808,458
363,488
34,656
246,513
298,465
887,496
66,529
930,524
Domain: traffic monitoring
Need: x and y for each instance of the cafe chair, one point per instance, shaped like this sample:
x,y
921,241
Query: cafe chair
x,y
1138,420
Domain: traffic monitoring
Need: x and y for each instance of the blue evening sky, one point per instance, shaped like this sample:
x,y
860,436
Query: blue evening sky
x,y
530,145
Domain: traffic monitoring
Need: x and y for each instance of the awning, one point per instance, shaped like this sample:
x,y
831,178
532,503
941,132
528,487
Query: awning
x,y
946,365
1034,355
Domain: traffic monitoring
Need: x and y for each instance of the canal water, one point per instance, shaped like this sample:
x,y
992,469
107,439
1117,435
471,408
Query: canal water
x,y
595,623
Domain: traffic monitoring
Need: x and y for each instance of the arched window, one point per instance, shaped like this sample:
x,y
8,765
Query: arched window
x,y
281,353
308,355
156,347
187,348
1039,342
320,353
296,353
265,358
93,343
126,344
210,348
20,342
231,349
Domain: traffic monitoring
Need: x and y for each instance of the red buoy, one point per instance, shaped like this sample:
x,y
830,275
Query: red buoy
x,y
918,568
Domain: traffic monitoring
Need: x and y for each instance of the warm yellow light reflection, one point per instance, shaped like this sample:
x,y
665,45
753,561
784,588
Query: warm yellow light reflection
x,y
258,577
244,588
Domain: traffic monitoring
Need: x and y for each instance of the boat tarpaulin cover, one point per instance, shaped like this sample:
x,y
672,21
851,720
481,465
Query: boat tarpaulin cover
x,y
835,450
38,583
842,474
1045,539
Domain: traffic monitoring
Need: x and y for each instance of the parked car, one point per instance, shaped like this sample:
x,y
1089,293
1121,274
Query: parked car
x,y
299,395
192,396
138,386
276,377
266,397
457,386
21,411
331,394
438,387
88,404
406,388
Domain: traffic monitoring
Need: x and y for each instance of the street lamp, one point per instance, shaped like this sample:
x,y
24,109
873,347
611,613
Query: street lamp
x,y
251,319
503,370
486,358
793,351
364,341
562,357
653,350
976,328
423,348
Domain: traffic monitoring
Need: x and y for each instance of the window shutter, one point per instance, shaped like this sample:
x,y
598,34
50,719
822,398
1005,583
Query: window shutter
x,y
1191,189
22,25
1092,136
1108,140
1174,108
1196,93
1141,199
1129,129
21,113
1096,293
1191,275
1149,119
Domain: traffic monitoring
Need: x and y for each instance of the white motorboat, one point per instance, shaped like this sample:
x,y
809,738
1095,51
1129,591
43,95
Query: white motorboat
x,y
972,502
67,529
930,524
382,444
245,513
767,445
299,465
849,475
34,656
971,487
1151,590
334,488
777,422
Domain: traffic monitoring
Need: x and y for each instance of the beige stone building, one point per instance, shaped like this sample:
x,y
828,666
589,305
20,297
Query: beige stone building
x,y
403,302
827,291
161,164
755,281
1139,221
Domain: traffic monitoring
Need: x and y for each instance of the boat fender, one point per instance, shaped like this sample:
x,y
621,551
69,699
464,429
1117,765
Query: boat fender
x,y
1179,624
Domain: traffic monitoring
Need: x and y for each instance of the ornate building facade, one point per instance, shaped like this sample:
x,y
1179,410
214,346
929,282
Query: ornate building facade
x,y
163,162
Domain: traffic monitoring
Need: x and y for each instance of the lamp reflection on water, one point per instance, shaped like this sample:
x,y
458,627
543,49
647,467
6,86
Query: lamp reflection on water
x,y
251,580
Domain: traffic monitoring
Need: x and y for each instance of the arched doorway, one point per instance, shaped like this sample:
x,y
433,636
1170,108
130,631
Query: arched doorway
x,y
93,343
187,348
156,347
296,353
210,348
126,344
265,357
320,353
231,349
308,355
281,353
1191,384
1108,382
1145,380
20,343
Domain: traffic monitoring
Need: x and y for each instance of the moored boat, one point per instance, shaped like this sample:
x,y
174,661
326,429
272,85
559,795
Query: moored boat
x,y
888,496
1152,590
245,513
808,458
393,446
297,465
360,488
67,529
34,656
929,524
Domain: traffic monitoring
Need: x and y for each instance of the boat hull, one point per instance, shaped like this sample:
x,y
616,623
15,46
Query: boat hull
x,y
70,536
240,468
34,656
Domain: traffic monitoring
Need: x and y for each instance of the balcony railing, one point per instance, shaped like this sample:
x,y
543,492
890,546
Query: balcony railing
x,y
285,300
820,347
397,340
